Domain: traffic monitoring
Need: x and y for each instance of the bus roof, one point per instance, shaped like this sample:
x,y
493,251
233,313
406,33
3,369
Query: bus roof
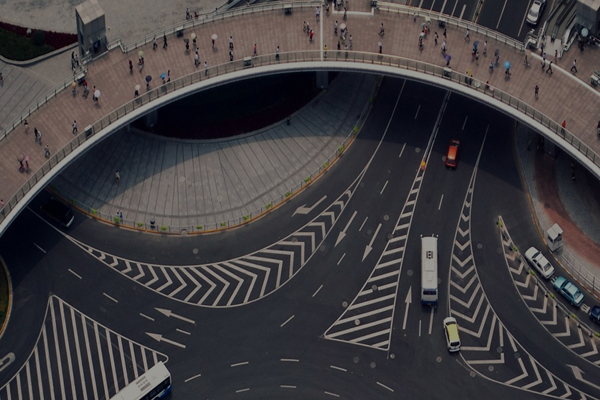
x,y
143,383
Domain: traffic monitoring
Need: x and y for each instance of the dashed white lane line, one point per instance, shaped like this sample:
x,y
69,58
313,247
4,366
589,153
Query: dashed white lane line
x,y
182,331
147,317
240,364
112,298
315,293
286,321
75,273
338,368
343,255
192,378
243,390
363,224
387,387
289,360
42,250
384,186
332,394
287,386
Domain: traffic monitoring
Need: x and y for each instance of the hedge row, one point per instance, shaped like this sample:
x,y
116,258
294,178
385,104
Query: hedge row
x,y
16,44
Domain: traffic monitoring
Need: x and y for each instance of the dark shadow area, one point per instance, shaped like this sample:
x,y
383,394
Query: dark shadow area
x,y
235,109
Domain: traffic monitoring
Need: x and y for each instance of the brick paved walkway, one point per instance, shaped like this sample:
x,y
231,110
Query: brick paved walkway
x,y
562,96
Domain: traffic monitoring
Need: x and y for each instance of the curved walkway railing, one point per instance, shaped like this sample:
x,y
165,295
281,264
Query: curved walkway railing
x,y
297,57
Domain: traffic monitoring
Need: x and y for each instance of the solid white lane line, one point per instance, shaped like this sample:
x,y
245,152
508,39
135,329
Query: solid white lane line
x,y
242,390
68,349
402,151
147,317
363,224
343,255
465,123
89,356
101,358
57,348
112,298
192,377
111,357
418,109
38,372
75,273
42,250
182,331
338,368
288,320
122,353
315,293
441,199
384,186
419,328
239,364
387,387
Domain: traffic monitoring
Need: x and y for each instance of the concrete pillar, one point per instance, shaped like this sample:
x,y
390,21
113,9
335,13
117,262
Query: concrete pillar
x,y
151,119
322,79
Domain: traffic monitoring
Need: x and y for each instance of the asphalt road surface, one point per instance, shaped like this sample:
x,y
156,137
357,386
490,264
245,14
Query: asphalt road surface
x,y
304,304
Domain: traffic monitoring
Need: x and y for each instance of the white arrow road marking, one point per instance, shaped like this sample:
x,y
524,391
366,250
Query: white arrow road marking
x,y
342,234
159,338
6,360
305,210
579,376
169,313
408,300
370,245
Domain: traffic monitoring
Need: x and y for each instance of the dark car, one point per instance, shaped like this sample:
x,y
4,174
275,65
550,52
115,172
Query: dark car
x,y
595,314
58,211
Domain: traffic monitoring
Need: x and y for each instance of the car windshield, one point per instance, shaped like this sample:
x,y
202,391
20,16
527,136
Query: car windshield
x,y
533,13
546,267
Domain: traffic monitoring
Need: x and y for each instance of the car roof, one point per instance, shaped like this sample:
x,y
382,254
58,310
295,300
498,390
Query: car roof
x,y
572,289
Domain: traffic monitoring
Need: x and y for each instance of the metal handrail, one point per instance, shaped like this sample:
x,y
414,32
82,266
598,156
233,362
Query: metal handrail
x,y
293,57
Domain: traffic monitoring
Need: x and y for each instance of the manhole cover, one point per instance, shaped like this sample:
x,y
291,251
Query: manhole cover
x,y
386,217
357,322
356,360
409,272
517,355
195,251
473,374
374,288
479,246
418,150
345,304
392,356
491,368
500,349
372,364
438,359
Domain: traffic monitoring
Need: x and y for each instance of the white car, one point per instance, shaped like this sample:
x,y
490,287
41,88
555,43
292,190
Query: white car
x,y
539,262
451,333
535,12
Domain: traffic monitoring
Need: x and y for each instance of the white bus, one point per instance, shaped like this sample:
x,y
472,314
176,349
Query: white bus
x,y
429,271
154,384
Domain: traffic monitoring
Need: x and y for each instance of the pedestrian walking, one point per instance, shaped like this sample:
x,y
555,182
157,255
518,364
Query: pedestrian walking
x,y
130,67
543,65
230,55
381,30
35,134
555,56
310,39
187,47
485,48
230,42
154,45
196,59
205,68
307,28
563,126
444,46
380,47
47,151
74,127
468,35
194,41
2,206
491,66
318,13
435,38
339,45
27,166
537,91
327,9
335,28
304,27
277,53
164,41
255,49
117,176
444,33
549,68
26,125
574,67
351,42
544,56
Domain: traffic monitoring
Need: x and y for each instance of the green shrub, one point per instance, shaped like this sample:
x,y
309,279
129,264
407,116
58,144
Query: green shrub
x,y
199,227
223,223
38,38
288,193
140,224
307,179
94,211
341,148
267,206
246,217
117,220
325,165
163,228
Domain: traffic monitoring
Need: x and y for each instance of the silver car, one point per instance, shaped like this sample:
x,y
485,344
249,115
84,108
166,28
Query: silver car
x,y
535,12
539,262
